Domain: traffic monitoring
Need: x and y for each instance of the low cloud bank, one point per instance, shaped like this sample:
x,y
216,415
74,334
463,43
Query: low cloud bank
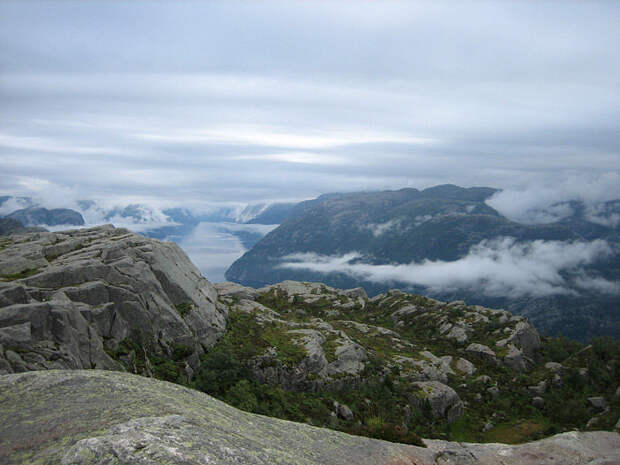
x,y
542,201
501,267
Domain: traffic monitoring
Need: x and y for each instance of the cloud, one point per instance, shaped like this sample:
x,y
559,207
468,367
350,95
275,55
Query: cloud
x,y
502,267
381,228
542,201
303,99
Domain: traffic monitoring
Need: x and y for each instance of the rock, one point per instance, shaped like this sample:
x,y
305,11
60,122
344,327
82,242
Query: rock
x,y
350,359
458,333
313,341
405,311
494,391
617,394
523,337
482,352
465,367
538,402
235,291
598,402
343,411
483,379
514,359
427,367
554,367
104,285
539,389
126,419
443,401
487,426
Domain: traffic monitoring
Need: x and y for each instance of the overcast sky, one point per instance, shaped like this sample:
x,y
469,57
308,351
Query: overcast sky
x,y
199,103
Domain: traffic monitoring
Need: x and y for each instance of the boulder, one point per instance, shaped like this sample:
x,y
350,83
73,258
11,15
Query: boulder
x,y
95,288
343,411
482,352
465,367
598,402
539,389
443,401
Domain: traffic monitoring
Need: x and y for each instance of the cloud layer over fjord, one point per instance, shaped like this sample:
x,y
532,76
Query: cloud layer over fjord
x,y
501,267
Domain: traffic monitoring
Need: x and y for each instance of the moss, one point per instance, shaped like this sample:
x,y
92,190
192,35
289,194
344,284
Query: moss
x,y
21,275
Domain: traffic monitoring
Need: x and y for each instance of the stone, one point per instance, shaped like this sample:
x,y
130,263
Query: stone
x,y
554,367
465,367
598,402
343,411
494,391
539,389
538,402
482,352
514,359
443,401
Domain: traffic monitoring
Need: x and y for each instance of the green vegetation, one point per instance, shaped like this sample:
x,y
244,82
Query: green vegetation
x,y
21,275
184,308
381,400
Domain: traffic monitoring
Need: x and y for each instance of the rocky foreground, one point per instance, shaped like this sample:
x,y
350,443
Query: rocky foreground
x,y
397,366
97,417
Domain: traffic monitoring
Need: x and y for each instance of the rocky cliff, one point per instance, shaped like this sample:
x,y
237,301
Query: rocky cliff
x,y
96,418
92,298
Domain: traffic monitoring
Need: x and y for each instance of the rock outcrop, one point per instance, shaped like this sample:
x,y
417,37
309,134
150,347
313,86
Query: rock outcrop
x,y
95,417
87,298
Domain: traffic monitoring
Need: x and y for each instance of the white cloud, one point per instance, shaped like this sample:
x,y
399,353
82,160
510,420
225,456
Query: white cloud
x,y
382,228
501,267
540,200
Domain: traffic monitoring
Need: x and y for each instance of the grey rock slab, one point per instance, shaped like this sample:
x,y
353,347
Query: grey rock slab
x,y
107,283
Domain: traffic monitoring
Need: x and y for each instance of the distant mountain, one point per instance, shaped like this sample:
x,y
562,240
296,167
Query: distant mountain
x,y
447,224
10,226
33,216
275,213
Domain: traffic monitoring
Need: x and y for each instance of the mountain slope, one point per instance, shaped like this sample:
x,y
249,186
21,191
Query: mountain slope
x,y
442,224
34,216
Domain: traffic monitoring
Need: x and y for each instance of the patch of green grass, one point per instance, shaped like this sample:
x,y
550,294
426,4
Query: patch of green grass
x,y
184,308
21,275
516,432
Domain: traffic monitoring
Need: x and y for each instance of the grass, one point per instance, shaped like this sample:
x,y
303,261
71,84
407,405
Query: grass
x,y
183,309
21,275
516,432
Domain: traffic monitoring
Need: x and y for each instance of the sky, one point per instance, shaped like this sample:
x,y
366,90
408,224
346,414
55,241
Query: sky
x,y
225,102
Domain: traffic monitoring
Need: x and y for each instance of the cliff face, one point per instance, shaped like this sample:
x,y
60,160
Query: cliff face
x,y
96,418
74,300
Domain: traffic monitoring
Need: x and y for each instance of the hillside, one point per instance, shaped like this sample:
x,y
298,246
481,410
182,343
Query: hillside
x,y
96,418
360,239
397,366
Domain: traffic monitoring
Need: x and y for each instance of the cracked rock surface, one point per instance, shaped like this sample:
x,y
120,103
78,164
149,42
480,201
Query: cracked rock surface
x,y
68,299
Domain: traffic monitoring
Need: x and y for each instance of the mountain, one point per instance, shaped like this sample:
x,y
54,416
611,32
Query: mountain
x,y
10,226
397,366
35,216
345,235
